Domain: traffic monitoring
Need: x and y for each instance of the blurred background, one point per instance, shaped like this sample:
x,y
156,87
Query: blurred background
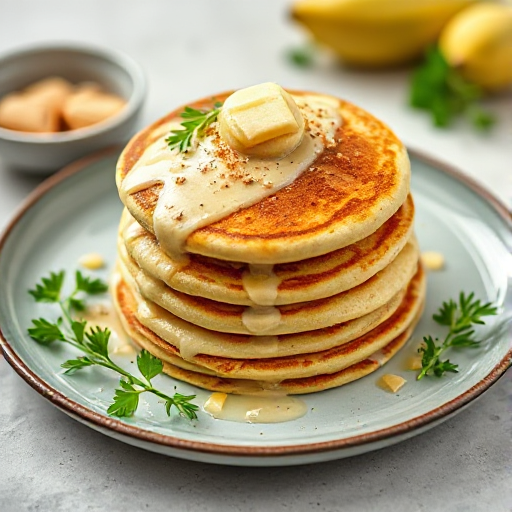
x,y
370,52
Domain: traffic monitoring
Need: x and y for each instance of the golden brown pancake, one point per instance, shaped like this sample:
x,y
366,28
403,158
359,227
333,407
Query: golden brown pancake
x,y
191,339
299,317
348,192
309,279
378,344
292,386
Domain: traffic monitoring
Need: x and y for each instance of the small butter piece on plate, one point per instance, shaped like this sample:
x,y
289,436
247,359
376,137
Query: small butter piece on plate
x,y
414,363
215,403
433,260
392,382
92,261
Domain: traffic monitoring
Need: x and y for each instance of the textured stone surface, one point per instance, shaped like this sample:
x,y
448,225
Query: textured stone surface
x,y
49,462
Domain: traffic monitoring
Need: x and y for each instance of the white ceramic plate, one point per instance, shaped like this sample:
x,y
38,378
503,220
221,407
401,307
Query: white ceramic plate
x,y
77,212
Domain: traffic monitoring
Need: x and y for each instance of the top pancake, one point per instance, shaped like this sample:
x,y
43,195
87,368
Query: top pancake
x,y
348,192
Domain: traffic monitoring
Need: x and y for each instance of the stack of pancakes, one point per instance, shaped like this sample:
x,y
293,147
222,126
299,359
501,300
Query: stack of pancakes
x,y
314,286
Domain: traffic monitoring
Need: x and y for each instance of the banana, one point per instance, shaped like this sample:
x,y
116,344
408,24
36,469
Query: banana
x,y
478,42
376,33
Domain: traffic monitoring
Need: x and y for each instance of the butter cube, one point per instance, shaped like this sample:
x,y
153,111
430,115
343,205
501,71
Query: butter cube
x,y
215,403
92,261
260,113
432,260
392,382
262,121
414,363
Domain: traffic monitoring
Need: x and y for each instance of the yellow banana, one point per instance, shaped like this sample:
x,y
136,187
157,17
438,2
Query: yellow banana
x,y
478,42
376,33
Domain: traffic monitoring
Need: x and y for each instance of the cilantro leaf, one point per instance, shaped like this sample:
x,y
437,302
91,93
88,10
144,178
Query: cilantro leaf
x,y
94,343
183,404
45,332
78,329
89,285
459,318
149,365
73,365
48,290
126,401
97,340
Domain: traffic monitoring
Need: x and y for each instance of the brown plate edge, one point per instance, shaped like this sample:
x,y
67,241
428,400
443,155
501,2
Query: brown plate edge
x,y
74,409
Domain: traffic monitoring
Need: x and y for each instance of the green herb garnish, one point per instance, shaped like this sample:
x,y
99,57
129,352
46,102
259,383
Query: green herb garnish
x,y
194,127
460,318
93,342
441,90
302,56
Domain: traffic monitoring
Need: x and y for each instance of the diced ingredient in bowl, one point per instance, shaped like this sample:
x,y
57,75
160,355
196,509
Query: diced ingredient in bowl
x,y
54,104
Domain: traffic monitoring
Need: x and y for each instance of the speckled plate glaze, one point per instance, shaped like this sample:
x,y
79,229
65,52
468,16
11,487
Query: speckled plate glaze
x,y
77,211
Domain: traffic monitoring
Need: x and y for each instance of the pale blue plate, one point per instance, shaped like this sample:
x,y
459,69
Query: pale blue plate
x,y
77,211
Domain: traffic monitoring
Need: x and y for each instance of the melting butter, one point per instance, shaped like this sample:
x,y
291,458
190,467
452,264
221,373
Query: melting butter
x,y
213,181
261,319
261,284
257,409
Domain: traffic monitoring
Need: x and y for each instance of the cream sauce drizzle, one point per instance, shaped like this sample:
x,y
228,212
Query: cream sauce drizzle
x,y
260,409
379,357
192,340
261,319
261,284
214,180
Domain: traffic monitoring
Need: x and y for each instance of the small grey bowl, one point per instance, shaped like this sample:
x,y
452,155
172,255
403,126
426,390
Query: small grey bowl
x,y
114,71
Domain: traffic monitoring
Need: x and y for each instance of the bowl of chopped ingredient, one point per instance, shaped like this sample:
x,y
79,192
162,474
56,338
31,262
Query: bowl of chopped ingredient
x,y
59,102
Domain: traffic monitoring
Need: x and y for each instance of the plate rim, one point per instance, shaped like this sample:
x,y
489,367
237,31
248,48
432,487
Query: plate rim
x,y
72,408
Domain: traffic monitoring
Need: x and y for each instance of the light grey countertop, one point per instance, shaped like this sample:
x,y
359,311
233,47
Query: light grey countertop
x,y
49,462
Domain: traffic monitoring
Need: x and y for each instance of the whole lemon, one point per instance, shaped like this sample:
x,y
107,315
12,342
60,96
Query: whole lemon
x,y
478,42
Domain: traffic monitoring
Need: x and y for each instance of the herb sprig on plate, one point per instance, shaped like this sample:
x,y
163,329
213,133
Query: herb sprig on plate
x,y
459,318
93,342
194,126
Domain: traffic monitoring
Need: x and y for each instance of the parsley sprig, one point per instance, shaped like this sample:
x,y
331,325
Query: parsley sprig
x,y
93,342
459,318
441,90
194,126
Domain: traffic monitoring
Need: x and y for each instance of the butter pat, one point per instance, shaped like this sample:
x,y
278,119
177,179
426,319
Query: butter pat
x,y
215,403
262,120
432,260
392,382
414,363
92,261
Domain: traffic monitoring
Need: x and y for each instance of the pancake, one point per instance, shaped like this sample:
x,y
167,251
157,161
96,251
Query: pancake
x,y
371,345
290,318
292,386
191,339
345,195
310,279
